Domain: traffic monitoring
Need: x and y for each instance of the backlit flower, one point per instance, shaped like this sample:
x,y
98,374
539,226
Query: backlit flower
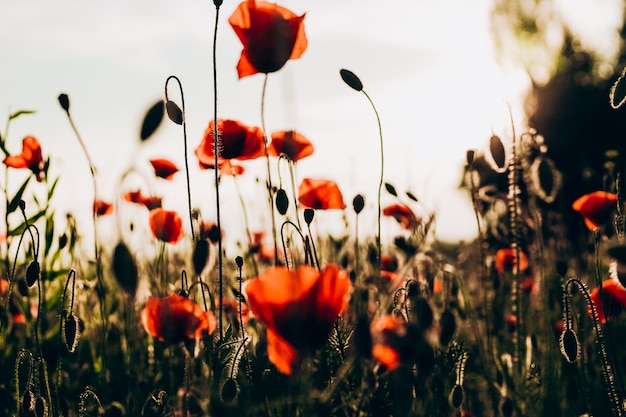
x,y
164,168
290,143
320,194
506,260
270,35
150,202
403,215
102,208
596,208
613,300
237,141
298,308
29,158
166,225
175,318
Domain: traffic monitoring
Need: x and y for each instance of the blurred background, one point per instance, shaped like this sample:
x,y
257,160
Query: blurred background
x,y
444,76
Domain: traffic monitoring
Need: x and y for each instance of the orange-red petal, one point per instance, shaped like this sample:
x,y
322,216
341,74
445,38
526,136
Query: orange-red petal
x,y
613,300
320,194
506,259
403,215
31,157
166,225
290,143
596,208
270,35
102,208
175,318
164,168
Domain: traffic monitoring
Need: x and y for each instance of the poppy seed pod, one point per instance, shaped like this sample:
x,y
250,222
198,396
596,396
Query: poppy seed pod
x,y
282,201
239,261
64,101
200,255
351,79
358,203
33,273
125,269
308,215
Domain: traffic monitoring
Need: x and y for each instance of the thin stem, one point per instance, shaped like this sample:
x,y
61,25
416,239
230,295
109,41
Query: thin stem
x,y
382,171
100,280
182,103
216,147
269,174
246,223
282,238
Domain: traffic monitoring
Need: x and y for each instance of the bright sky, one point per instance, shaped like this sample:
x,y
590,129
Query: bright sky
x,y
428,66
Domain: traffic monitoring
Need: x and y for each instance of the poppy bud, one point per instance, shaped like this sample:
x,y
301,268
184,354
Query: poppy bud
x,y
447,323
33,273
71,332
456,396
351,79
229,391
498,153
174,112
239,261
217,3
282,201
358,203
507,407
470,156
308,215
152,120
64,101
125,269
28,400
22,205
424,314
570,346
62,241
200,255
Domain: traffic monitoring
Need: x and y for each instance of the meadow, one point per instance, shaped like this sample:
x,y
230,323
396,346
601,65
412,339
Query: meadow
x,y
524,320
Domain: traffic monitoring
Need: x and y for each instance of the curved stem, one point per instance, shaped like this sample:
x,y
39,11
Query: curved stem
x,y
282,238
382,171
182,103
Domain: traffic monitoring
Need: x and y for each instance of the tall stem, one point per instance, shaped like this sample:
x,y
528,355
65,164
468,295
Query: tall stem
x,y
269,174
217,147
382,172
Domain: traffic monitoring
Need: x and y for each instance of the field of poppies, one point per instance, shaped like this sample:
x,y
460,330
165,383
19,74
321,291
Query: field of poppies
x,y
526,320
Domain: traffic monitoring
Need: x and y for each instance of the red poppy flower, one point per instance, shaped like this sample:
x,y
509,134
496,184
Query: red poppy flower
x,y
237,140
102,208
290,143
506,260
151,202
613,300
403,215
320,194
175,318
29,158
298,308
596,208
385,331
270,35
16,314
164,168
166,225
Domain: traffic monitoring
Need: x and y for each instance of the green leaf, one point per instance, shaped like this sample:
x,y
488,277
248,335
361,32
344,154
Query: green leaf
x,y
52,188
19,229
411,196
15,201
49,234
20,113
152,120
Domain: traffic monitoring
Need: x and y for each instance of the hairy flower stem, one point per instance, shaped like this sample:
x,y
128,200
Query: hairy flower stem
x,y
269,173
99,277
217,147
607,370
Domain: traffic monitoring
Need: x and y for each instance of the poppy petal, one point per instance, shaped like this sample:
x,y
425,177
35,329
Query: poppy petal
x,y
164,168
320,194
